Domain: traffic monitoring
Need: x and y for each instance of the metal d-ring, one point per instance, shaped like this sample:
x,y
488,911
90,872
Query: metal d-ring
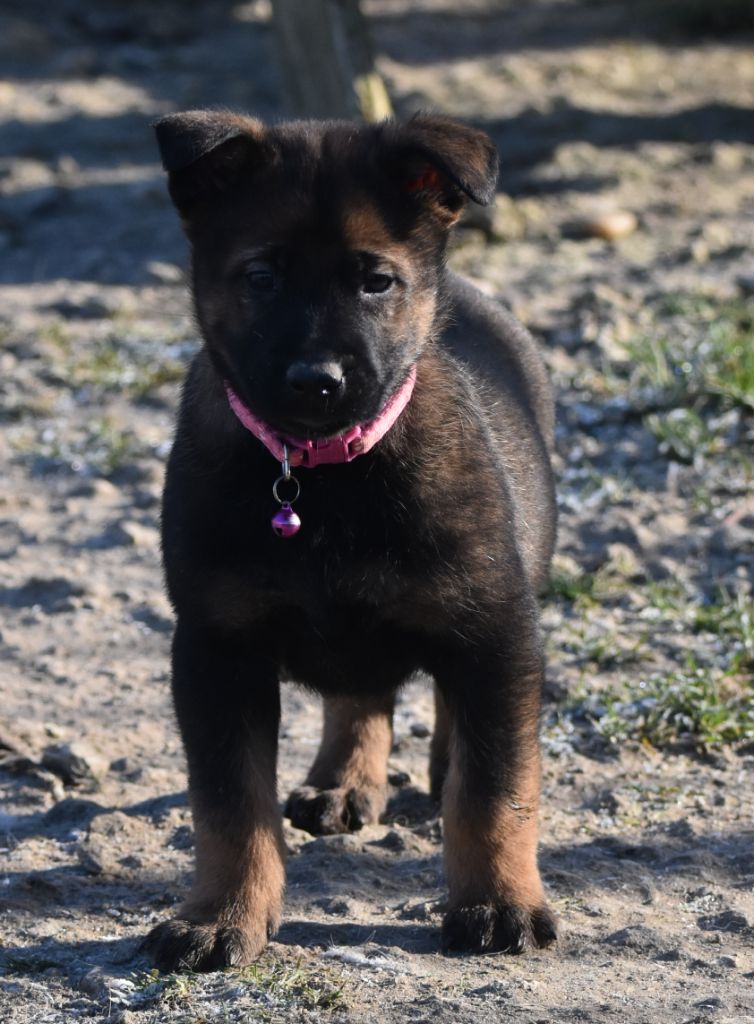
x,y
283,480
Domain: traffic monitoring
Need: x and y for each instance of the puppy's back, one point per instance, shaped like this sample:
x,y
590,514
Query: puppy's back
x,y
507,385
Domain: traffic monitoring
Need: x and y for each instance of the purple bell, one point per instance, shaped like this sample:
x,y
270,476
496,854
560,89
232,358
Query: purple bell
x,y
286,523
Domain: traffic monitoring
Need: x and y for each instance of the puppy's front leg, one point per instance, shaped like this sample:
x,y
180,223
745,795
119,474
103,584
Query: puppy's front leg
x,y
228,707
490,805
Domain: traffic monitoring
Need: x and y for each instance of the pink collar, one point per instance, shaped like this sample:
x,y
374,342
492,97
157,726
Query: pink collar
x,y
343,448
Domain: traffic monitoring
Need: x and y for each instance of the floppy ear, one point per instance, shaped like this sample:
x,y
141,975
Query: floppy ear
x,y
204,151
445,162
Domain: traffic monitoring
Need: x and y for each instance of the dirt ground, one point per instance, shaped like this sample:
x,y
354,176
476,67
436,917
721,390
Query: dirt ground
x,y
647,843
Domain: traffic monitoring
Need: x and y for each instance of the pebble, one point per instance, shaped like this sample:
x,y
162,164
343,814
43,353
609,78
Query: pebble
x,y
138,534
338,906
73,812
75,763
398,841
165,273
610,226
727,921
182,838
637,937
421,910
745,283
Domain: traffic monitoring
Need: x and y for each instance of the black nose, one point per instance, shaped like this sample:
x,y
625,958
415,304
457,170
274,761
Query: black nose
x,y
313,380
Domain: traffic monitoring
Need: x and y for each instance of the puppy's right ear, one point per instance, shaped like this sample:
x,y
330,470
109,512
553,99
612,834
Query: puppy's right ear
x,y
205,151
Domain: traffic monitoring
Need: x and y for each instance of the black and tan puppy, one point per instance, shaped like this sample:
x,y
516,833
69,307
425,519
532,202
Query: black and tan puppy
x,y
318,255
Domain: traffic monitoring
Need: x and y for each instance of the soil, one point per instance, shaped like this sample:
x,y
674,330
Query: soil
x,y
647,850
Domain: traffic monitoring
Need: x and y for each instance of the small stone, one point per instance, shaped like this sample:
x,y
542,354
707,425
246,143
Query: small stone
x,y
727,921
165,273
88,308
604,801
75,763
745,284
182,838
392,840
91,858
94,984
699,251
420,730
636,937
138,534
73,812
338,906
610,225
419,910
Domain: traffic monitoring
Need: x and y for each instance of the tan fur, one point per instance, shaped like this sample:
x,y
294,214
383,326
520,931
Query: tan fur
x,y
364,230
355,745
491,848
240,866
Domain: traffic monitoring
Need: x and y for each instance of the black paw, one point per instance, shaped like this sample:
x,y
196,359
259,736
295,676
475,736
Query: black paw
x,y
503,928
181,946
328,811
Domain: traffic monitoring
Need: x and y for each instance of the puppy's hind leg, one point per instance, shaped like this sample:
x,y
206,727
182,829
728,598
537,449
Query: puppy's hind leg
x,y
346,787
439,751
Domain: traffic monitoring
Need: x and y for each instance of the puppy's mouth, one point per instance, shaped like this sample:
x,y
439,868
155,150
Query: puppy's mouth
x,y
314,429
318,418
332,419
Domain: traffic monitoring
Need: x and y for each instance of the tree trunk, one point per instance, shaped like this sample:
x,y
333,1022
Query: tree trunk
x,y
327,60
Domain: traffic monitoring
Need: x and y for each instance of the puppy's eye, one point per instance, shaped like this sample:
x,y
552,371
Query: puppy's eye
x,y
260,277
375,284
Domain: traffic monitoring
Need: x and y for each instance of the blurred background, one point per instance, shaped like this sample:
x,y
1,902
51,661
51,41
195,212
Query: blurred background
x,y
622,237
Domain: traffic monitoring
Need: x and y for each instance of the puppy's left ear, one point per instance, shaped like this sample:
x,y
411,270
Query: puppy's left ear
x,y
444,162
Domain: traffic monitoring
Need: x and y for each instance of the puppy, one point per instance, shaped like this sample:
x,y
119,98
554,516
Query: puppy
x,y
392,426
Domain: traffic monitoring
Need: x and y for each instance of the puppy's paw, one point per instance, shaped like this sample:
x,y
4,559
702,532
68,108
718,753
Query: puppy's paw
x,y
182,946
498,927
327,811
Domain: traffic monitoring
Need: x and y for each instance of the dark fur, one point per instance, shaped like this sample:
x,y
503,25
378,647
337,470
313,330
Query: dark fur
x,y
426,553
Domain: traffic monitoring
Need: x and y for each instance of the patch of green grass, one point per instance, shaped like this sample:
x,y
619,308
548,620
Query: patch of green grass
x,y
699,707
668,596
690,374
294,985
587,589
108,365
56,334
110,447
168,990
118,360
707,356
683,434
606,653
176,989
103,447
732,619
573,586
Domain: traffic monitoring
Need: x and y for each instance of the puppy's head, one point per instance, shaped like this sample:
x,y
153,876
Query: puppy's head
x,y
316,252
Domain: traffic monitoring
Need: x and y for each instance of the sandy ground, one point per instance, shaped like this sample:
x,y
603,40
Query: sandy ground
x,y
647,845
